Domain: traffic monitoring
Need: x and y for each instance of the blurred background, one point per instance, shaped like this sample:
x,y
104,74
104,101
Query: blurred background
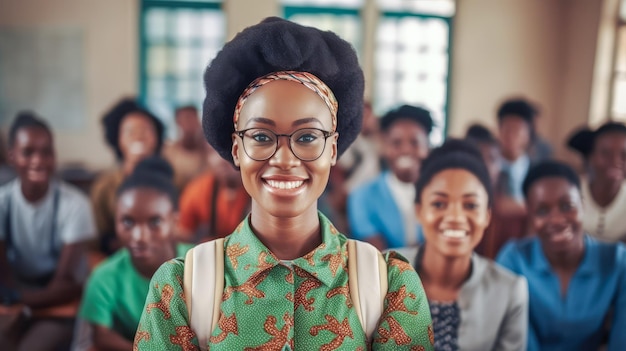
x,y
70,60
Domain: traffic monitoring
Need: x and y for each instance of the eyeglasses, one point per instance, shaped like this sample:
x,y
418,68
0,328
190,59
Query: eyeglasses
x,y
306,144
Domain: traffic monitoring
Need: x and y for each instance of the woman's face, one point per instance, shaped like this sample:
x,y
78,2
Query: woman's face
x,y
556,214
608,158
283,185
144,221
405,146
137,137
454,212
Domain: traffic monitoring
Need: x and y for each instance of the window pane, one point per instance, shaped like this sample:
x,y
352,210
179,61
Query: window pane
x,y
412,66
156,24
444,8
619,102
620,62
622,12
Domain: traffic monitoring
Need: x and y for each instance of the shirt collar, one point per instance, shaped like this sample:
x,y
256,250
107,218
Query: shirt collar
x,y
246,256
587,266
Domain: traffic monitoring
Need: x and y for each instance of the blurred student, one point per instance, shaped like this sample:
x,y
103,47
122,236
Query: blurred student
x,y
188,154
145,220
505,224
381,211
475,304
44,226
604,186
577,285
213,204
134,134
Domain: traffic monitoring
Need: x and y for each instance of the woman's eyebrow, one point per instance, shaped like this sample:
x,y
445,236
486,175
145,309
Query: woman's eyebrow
x,y
261,120
305,121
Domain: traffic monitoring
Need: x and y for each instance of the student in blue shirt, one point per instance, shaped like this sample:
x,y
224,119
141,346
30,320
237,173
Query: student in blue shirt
x,y
577,285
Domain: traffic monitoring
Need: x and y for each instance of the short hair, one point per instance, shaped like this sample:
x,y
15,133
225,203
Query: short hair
x,y
26,119
520,108
113,118
549,169
583,140
477,134
414,114
154,173
275,45
454,154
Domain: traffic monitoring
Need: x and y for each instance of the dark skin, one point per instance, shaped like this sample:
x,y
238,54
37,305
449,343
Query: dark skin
x,y
608,167
514,133
191,136
32,155
556,214
145,222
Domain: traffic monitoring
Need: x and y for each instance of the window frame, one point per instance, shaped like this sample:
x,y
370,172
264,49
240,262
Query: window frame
x,y
620,26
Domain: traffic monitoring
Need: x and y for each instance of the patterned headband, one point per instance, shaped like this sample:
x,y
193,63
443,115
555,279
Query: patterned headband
x,y
307,79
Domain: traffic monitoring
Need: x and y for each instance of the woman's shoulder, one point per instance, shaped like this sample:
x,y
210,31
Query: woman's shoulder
x,y
494,274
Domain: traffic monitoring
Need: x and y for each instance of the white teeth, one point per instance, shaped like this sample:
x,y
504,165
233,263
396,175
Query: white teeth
x,y
451,233
284,185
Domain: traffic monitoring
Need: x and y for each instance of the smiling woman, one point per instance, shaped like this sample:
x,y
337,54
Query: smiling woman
x,y
475,304
577,284
283,103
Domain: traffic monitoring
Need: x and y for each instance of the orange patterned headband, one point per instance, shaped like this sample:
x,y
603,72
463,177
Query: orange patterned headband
x,y
307,79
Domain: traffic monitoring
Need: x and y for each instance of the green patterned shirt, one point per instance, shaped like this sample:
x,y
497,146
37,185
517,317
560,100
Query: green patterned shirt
x,y
302,305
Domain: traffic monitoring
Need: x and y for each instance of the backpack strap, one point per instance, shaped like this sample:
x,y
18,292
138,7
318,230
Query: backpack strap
x,y
367,272
203,284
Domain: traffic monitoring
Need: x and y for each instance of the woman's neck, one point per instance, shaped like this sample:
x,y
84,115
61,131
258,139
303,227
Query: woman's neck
x,y
34,192
604,192
444,273
568,260
287,238
148,270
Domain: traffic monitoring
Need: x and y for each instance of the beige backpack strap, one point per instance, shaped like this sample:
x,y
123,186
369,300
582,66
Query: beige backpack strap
x,y
367,272
203,285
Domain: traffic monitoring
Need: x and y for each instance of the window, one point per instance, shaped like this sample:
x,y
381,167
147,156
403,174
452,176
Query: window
x,y
339,16
178,40
618,108
412,58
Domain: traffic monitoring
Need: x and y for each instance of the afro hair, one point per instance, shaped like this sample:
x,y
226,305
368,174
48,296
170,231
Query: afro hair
x,y
112,121
275,45
410,113
583,140
549,169
454,154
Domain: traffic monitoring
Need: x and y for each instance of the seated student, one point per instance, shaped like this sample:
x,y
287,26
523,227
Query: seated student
x,y
381,211
577,285
604,186
213,204
504,224
475,304
188,154
145,221
44,225
134,134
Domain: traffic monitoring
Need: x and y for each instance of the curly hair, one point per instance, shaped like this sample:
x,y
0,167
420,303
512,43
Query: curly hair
x,y
154,173
275,45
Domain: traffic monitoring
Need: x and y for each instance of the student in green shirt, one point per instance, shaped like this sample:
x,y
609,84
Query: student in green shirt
x,y
146,216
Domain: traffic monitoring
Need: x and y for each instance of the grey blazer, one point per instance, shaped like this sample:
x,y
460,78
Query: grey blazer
x,y
493,304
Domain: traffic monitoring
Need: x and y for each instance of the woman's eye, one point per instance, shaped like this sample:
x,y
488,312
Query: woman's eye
x,y
306,138
155,222
470,206
438,205
541,211
261,138
127,222
567,207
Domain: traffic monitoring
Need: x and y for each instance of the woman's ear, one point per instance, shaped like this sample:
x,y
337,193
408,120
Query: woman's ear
x,y
333,160
235,150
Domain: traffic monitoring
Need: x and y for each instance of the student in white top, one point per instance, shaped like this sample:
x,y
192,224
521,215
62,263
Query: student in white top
x,y
604,187
44,224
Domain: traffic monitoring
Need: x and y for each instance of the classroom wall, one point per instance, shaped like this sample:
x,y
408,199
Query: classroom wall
x,y
543,50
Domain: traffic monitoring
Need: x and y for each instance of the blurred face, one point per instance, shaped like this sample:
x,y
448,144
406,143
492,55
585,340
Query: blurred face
x,y
370,121
188,121
608,158
145,222
283,185
514,136
33,157
491,155
556,214
137,137
405,146
454,212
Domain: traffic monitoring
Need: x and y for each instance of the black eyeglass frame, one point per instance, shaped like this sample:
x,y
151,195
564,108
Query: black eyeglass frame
x,y
327,134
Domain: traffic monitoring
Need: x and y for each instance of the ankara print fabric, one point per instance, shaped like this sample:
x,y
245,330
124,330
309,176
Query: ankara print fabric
x,y
301,305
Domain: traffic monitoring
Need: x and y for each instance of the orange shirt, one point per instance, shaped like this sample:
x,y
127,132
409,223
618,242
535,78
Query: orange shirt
x,y
196,209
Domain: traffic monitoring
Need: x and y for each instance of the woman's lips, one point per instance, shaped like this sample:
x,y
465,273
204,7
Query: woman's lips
x,y
406,162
